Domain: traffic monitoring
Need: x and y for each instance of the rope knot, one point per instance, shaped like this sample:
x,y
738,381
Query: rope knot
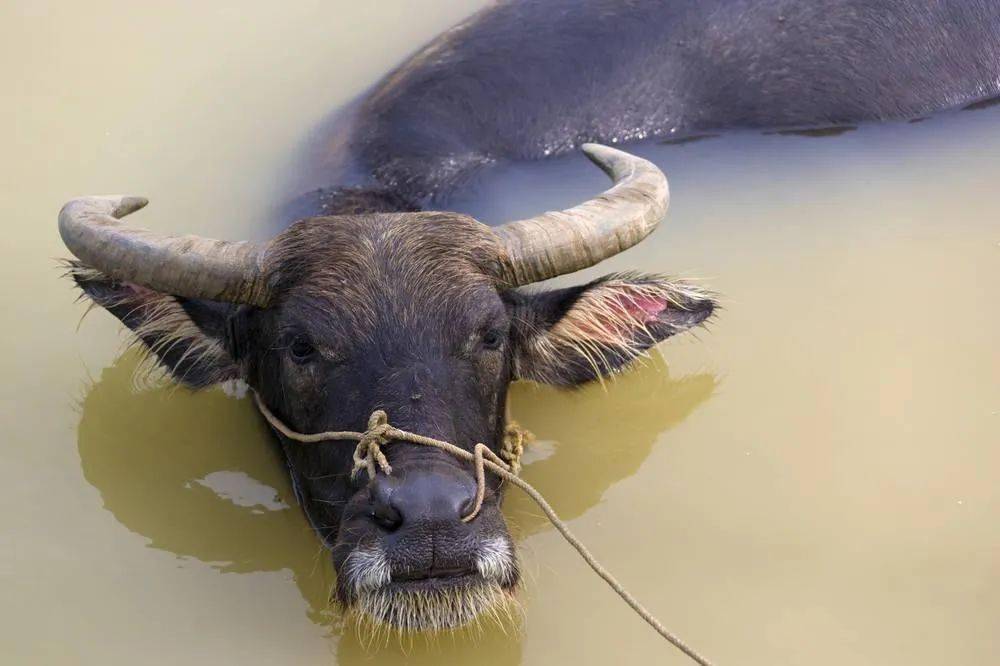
x,y
368,454
512,447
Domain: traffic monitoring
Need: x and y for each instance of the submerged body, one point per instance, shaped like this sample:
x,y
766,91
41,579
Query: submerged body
x,y
528,79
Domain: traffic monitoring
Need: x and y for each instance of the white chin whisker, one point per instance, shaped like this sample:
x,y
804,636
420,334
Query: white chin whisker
x,y
495,560
367,568
433,610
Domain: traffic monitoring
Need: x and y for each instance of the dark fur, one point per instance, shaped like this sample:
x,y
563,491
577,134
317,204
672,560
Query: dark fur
x,y
526,79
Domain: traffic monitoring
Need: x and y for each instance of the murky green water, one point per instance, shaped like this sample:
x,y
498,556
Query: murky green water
x,y
813,480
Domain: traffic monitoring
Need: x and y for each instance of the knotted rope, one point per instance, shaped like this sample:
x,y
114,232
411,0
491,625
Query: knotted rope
x,y
368,456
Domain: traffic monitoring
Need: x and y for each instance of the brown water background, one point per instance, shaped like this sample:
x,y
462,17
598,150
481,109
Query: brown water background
x,y
813,480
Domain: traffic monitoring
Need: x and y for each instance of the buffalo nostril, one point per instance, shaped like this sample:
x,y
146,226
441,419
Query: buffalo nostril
x,y
467,508
386,516
384,511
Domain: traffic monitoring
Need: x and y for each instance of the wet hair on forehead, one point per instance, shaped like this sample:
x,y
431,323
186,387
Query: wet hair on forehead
x,y
361,265
329,252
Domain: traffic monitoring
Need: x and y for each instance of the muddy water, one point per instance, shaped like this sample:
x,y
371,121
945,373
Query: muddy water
x,y
813,480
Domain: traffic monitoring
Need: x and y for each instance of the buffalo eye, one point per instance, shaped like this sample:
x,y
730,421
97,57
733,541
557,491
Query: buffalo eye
x,y
301,349
493,339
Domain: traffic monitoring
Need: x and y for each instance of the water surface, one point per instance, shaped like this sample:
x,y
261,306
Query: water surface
x,y
811,480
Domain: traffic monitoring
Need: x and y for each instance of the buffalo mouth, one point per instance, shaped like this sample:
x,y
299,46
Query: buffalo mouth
x,y
416,602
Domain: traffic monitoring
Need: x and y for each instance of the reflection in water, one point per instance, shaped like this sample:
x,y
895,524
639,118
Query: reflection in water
x,y
486,645
637,407
198,475
681,140
815,132
156,457
982,104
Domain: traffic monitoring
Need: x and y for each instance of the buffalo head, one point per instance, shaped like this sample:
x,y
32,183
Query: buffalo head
x,y
418,314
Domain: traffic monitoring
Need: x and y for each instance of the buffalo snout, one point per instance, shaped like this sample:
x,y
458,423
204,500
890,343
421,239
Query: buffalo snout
x,y
409,558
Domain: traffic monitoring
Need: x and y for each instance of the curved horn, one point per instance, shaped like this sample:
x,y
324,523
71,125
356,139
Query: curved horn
x,y
560,242
189,266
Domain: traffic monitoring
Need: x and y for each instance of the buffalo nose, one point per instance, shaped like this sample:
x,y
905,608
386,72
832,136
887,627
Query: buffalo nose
x,y
440,498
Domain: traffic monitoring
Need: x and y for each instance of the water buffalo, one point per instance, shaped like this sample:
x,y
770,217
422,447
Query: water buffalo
x,y
376,304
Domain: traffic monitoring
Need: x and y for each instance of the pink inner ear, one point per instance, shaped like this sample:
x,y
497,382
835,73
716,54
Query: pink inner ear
x,y
642,308
139,290
618,317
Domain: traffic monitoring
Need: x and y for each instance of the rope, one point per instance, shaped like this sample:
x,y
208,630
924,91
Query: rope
x,y
368,456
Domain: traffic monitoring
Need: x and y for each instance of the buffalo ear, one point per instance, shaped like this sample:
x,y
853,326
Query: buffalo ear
x,y
575,335
188,338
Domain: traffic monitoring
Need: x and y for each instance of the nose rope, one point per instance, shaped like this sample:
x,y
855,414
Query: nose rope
x,y
368,456
368,452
